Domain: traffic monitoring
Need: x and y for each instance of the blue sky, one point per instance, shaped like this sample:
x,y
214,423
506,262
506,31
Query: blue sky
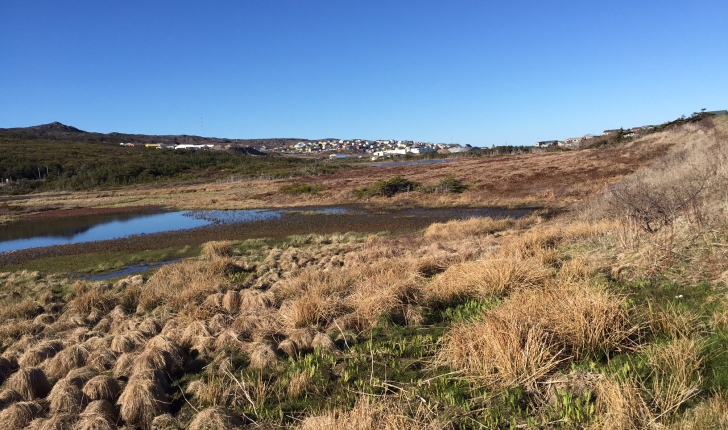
x,y
476,72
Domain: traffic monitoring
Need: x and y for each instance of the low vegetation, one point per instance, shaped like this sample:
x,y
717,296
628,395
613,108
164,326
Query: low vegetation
x,y
300,188
594,318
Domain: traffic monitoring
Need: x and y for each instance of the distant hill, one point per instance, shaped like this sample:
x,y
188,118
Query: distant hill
x,y
61,132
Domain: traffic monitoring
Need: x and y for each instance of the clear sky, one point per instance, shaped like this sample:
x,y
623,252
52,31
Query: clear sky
x,y
475,72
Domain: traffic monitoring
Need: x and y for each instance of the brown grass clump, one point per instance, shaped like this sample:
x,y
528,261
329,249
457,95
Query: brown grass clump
x,y
676,373
525,338
81,376
216,250
252,300
458,229
66,397
173,354
165,422
102,387
386,414
262,357
44,319
62,421
91,300
39,353
150,327
142,400
19,415
101,359
484,278
122,343
324,344
313,297
72,357
30,382
8,397
214,418
231,301
124,365
94,422
621,405
711,414
178,284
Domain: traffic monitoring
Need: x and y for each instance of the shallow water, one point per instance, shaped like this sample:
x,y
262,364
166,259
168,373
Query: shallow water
x,y
193,228
35,234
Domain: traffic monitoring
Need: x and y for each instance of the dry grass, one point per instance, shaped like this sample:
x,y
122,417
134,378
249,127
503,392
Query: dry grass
x,y
621,405
18,415
676,373
39,353
66,397
72,357
458,229
178,284
143,399
30,382
486,278
102,387
214,418
711,414
216,250
524,339
92,300
387,414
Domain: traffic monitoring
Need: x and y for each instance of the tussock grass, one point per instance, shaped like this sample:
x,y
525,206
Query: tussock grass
x,y
8,397
388,414
215,250
143,399
19,415
39,353
487,278
72,357
66,397
622,405
458,229
102,387
524,339
189,281
30,382
216,418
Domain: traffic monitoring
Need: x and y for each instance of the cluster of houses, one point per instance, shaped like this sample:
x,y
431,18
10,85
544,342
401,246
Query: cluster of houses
x,y
575,142
170,146
376,148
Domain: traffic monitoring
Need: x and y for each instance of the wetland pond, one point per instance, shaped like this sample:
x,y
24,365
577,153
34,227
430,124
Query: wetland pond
x,y
134,232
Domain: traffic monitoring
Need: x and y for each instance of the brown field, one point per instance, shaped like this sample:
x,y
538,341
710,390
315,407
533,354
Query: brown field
x,y
554,179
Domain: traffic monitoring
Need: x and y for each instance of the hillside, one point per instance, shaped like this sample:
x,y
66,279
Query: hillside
x,y
58,132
